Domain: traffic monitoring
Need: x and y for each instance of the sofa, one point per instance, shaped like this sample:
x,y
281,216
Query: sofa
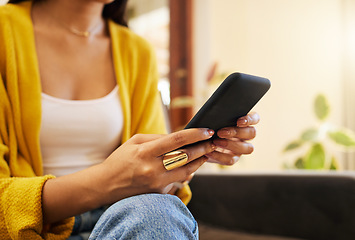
x,y
281,205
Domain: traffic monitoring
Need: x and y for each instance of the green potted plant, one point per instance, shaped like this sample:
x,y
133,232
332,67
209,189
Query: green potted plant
x,y
312,141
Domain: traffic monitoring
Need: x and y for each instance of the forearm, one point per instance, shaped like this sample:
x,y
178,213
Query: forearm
x,y
134,168
73,194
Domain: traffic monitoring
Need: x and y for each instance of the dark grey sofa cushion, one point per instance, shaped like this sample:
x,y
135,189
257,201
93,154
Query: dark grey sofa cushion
x,y
208,232
299,204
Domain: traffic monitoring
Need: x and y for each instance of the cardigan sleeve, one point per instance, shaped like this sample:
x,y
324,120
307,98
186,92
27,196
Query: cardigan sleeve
x,y
21,211
21,197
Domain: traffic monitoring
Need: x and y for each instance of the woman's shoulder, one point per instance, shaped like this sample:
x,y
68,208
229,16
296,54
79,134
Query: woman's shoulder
x,y
130,39
4,12
14,12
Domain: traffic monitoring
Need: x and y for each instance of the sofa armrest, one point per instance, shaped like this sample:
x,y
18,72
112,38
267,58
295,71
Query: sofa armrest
x,y
301,204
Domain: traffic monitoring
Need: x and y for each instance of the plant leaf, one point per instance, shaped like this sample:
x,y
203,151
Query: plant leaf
x,y
315,159
310,134
321,107
343,137
299,164
293,145
334,164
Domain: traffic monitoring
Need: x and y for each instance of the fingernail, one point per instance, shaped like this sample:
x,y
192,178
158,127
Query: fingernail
x,y
236,159
224,132
250,148
210,132
242,121
220,142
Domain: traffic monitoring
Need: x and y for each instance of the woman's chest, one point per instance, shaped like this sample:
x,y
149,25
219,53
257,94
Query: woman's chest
x,y
75,69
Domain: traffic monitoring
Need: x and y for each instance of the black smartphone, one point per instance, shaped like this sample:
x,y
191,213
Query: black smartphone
x,y
234,98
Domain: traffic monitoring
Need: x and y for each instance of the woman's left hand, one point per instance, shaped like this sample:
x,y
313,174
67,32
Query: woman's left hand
x,y
231,143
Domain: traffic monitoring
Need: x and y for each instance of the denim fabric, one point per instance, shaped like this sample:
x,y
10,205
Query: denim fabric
x,y
147,216
84,223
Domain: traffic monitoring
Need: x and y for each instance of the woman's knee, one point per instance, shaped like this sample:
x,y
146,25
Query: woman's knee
x,y
148,216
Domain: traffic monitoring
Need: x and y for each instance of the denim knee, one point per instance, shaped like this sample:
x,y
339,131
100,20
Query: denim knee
x,y
147,216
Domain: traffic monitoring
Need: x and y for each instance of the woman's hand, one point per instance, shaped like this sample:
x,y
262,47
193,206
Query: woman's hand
x,y
137,166
134,168
231,143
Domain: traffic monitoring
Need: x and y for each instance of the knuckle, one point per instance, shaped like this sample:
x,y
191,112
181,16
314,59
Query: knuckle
x,y
147,172
136,138
234,131
206,148
211,147
149,177
141,152
178,138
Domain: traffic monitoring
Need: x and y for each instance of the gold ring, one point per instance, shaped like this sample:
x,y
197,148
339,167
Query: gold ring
x,y
174,159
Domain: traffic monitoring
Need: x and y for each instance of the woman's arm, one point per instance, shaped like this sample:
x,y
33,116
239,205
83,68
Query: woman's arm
x,y
134,168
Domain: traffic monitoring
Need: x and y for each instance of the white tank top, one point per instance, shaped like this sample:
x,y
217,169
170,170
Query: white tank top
x,y
76,134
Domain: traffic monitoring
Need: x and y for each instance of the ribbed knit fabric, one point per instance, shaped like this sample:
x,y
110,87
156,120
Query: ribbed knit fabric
x,y
21,217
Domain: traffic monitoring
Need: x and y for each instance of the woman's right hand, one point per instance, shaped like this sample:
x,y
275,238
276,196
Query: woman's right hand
x,y
137,166
134,168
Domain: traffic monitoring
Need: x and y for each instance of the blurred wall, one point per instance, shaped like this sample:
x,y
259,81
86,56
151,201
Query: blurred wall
x,y
349,71
304,47
298,45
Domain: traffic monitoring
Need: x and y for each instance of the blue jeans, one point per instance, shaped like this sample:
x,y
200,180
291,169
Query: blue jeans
x,y
147,216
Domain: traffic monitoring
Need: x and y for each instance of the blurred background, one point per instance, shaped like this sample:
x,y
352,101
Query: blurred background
x,y
305,47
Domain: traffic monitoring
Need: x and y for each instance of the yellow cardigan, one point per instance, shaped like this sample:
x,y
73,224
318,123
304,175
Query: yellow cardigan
x,y
21,179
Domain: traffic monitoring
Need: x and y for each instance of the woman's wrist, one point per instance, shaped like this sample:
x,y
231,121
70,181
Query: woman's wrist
x,y
73,194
